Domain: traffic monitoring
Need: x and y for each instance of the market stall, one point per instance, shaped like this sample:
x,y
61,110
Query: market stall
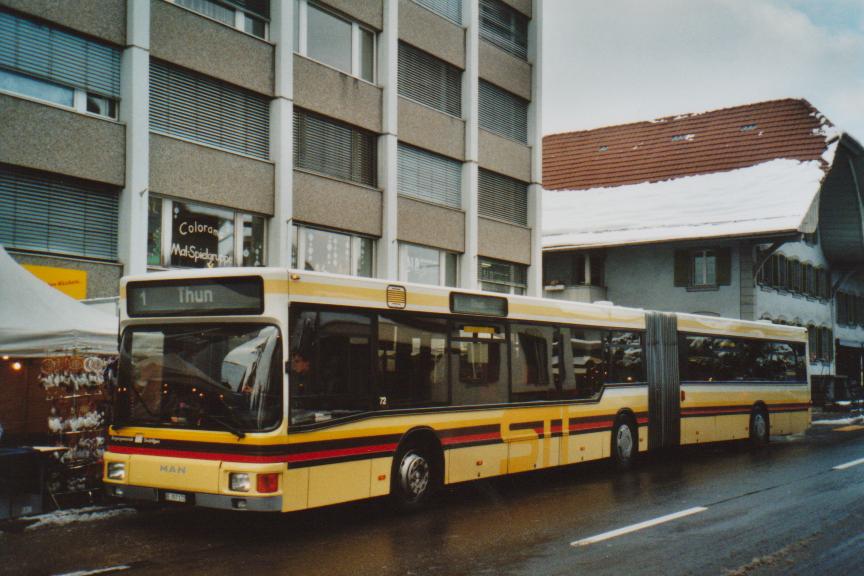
x,y
54,356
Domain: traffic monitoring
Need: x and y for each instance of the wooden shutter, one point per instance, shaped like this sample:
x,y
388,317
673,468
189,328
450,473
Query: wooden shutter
x,y
59,215
724,266
502,197
200,108
450,9
429,176
333,148
503,113
504,27
429,80
58,56
682,268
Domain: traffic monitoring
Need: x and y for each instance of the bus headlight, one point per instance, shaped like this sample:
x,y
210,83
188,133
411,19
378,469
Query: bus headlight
x,y
239,482
116,470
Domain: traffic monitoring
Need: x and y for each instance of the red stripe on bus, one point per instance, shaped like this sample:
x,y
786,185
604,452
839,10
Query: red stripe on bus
x,y
471,438
591,425
304,457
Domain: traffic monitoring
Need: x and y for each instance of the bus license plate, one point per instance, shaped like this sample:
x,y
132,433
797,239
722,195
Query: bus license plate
x,y
175,497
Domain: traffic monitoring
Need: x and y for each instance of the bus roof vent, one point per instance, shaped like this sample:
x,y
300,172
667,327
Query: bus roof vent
x,y
397,297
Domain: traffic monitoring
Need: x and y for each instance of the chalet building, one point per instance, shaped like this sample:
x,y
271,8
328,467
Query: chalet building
x,y
751,212
391,139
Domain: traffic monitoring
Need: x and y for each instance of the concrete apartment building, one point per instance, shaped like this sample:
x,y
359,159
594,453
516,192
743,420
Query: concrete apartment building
x,y
390,138
752,212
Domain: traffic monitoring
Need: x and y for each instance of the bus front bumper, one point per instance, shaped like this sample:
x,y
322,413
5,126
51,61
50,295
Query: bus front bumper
x,y
221,501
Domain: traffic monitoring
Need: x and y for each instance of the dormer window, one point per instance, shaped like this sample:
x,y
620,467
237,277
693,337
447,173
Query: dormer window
x,y
748,127
683,137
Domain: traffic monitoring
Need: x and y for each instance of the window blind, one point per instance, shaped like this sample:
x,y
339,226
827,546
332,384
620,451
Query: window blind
x,y
430,81
429,176
193,106
334,148
502,197
504,27
51,214
503,113
450,9
58,56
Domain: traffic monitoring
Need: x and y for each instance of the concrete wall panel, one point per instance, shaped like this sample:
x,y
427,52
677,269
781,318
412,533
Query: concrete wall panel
x,y
431,33
505,70
193,41
61,141
504,241
505,156
369,12
103,19
430,225
185,170
329,92
103,278
336,204
430,129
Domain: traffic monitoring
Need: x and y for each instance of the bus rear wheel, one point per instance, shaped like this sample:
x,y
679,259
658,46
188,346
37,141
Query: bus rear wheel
x,y
413,480
760,428
624,444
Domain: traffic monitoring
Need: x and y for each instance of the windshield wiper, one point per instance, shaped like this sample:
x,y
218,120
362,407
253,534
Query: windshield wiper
x,y
228,426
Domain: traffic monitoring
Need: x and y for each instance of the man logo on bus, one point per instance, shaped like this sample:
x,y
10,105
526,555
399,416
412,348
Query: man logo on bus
x,y
171,469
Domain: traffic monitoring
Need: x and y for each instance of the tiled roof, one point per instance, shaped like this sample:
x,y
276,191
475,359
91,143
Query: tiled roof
x,y
684,145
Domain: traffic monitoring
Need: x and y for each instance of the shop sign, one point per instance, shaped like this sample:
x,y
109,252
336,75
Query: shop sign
x,y
71,282
202,237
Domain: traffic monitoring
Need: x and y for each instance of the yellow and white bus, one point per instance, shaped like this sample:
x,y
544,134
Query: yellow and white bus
x,y
280,390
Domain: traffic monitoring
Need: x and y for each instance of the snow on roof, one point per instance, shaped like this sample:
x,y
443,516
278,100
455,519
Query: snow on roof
x,y
773,197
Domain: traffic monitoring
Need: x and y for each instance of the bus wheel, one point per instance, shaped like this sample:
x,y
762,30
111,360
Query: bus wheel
x,y
413,479
760,429
624,444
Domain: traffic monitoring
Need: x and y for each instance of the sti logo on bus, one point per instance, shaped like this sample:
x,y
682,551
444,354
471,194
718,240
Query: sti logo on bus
x,y
171,469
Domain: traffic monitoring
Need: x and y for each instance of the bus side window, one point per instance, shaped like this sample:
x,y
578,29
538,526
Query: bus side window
x,y
412,361
625,357
531,355
479,364
589,366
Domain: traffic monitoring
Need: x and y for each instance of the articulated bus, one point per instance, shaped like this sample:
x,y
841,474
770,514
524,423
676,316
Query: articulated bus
x,y
278,390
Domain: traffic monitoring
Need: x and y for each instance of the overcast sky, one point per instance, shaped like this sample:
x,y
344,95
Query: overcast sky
x,y
614,61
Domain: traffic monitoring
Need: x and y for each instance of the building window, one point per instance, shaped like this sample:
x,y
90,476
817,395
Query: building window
x,y
48,213
574,269
334,40
189,235
429,80
193,106
788,274
334,148
429,176
502,198
322,250
250,16
54,66
449,9
503,113
703,268
504,277
425,265
504,27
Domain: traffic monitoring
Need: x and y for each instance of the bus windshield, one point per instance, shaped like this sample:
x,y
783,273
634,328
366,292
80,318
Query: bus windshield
x,y
204,376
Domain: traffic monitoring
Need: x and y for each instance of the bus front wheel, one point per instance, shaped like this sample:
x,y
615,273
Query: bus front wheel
x,y
760,428
413,479
624,443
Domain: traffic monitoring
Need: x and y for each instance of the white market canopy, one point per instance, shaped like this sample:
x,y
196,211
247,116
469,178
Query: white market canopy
x,y
38,320
771,198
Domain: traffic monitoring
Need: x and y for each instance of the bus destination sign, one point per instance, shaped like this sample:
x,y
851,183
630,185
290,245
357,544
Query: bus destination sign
x,y
205,297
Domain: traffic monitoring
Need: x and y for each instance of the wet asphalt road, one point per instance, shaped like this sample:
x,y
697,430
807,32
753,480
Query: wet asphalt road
x,y
780,510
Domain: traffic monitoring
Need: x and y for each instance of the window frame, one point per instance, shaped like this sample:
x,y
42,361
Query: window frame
x,y
301,40
166,233
442,263
298,244
512,285
240,16
704,254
